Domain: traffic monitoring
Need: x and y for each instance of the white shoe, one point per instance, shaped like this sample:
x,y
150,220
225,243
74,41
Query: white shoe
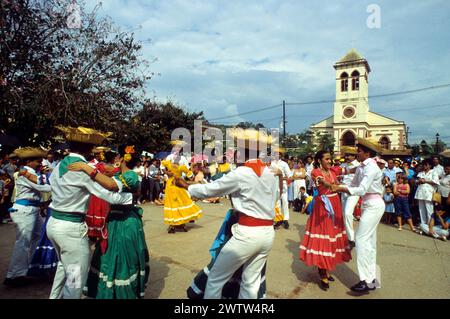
x,y
443,238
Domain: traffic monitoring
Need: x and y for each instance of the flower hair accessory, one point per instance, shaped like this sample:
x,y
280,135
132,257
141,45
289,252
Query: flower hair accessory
x,y
128,151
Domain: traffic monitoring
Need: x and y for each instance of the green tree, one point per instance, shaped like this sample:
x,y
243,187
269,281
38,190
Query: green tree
x,y
152,126
325,141
425,149
54,71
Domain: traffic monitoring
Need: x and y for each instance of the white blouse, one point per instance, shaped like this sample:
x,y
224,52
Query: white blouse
x,y
425,191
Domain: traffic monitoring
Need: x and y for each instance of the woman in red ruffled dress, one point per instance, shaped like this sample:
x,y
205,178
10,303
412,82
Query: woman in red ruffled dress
x,y
325,243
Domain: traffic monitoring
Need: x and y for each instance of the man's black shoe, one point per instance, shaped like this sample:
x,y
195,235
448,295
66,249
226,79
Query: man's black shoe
x,y
17,282
351,244
286,224
361,287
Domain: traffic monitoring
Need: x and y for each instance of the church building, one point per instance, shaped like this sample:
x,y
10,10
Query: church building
x,y
351,115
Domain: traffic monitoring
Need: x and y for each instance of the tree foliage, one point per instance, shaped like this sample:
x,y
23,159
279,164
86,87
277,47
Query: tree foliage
x,y
52,72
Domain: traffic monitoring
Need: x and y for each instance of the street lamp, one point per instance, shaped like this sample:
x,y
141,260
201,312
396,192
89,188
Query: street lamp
x,y
437,141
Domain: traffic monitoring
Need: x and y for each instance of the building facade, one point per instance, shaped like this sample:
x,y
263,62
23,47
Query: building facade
x,y
352,117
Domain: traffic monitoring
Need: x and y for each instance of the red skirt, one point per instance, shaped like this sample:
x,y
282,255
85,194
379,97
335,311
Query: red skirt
x,y
96,216
325,244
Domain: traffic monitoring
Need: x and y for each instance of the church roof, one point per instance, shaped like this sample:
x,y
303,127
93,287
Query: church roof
x,y
352,55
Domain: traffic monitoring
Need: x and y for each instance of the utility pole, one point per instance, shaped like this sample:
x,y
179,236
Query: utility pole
x,y
284,121
407,135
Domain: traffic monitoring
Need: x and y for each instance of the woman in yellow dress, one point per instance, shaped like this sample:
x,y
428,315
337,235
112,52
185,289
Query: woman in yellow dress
x,y
179,209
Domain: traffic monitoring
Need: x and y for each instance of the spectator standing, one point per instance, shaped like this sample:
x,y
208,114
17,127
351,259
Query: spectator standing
x,y
444,187
438,168
401,192
389,211
427,180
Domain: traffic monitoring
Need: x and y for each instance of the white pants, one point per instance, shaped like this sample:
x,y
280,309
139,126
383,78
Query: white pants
x,y
28,231
366,238
426,209
437,229
349,203
250,247
72,246
284,204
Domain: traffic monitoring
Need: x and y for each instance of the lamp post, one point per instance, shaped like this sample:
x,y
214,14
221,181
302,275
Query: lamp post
x,y
437,143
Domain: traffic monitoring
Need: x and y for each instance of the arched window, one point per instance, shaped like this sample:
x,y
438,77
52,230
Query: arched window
x,y
385,143
348,139
344,82
355,80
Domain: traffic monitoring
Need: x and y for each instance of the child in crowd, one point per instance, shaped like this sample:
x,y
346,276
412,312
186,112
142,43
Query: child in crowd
x,y
389,211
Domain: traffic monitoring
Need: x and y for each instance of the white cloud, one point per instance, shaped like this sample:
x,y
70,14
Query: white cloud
x,y
226,57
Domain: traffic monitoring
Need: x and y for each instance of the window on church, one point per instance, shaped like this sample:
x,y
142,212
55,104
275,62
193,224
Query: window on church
x,y
344,82
385,143
355,81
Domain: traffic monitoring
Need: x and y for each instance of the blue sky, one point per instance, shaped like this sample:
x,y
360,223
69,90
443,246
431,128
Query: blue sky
x,y
229,57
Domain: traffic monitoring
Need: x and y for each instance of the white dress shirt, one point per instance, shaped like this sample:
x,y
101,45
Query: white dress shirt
x,y
51,165
425,191
71,192
444,186
140,171
439,169
347,178
367,179
284,168
183,160
252,195
29,190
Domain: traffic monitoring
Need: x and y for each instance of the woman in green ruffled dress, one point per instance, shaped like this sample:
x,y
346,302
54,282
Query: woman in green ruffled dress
x,y
123,270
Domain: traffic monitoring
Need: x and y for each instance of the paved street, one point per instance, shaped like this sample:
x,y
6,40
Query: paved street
x,y
412,266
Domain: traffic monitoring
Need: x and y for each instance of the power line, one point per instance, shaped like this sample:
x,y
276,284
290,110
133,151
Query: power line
x,y
330,101
390,111
249,112
375,96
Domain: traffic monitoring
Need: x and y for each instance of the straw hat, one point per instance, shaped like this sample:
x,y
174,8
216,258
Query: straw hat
x,y
278,149
178,143
380,160
83,134
100,149
349,150
30,152
370,144
250,135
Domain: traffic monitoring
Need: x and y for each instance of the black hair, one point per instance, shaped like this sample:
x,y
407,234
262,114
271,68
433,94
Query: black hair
x,y
303,187
428,161
247,153
367,150
318,157
81,148
135,157
109,156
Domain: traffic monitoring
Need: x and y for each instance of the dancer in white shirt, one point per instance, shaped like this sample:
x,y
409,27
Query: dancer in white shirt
x,y
66,227
349,202
254,188
278,163
25,215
